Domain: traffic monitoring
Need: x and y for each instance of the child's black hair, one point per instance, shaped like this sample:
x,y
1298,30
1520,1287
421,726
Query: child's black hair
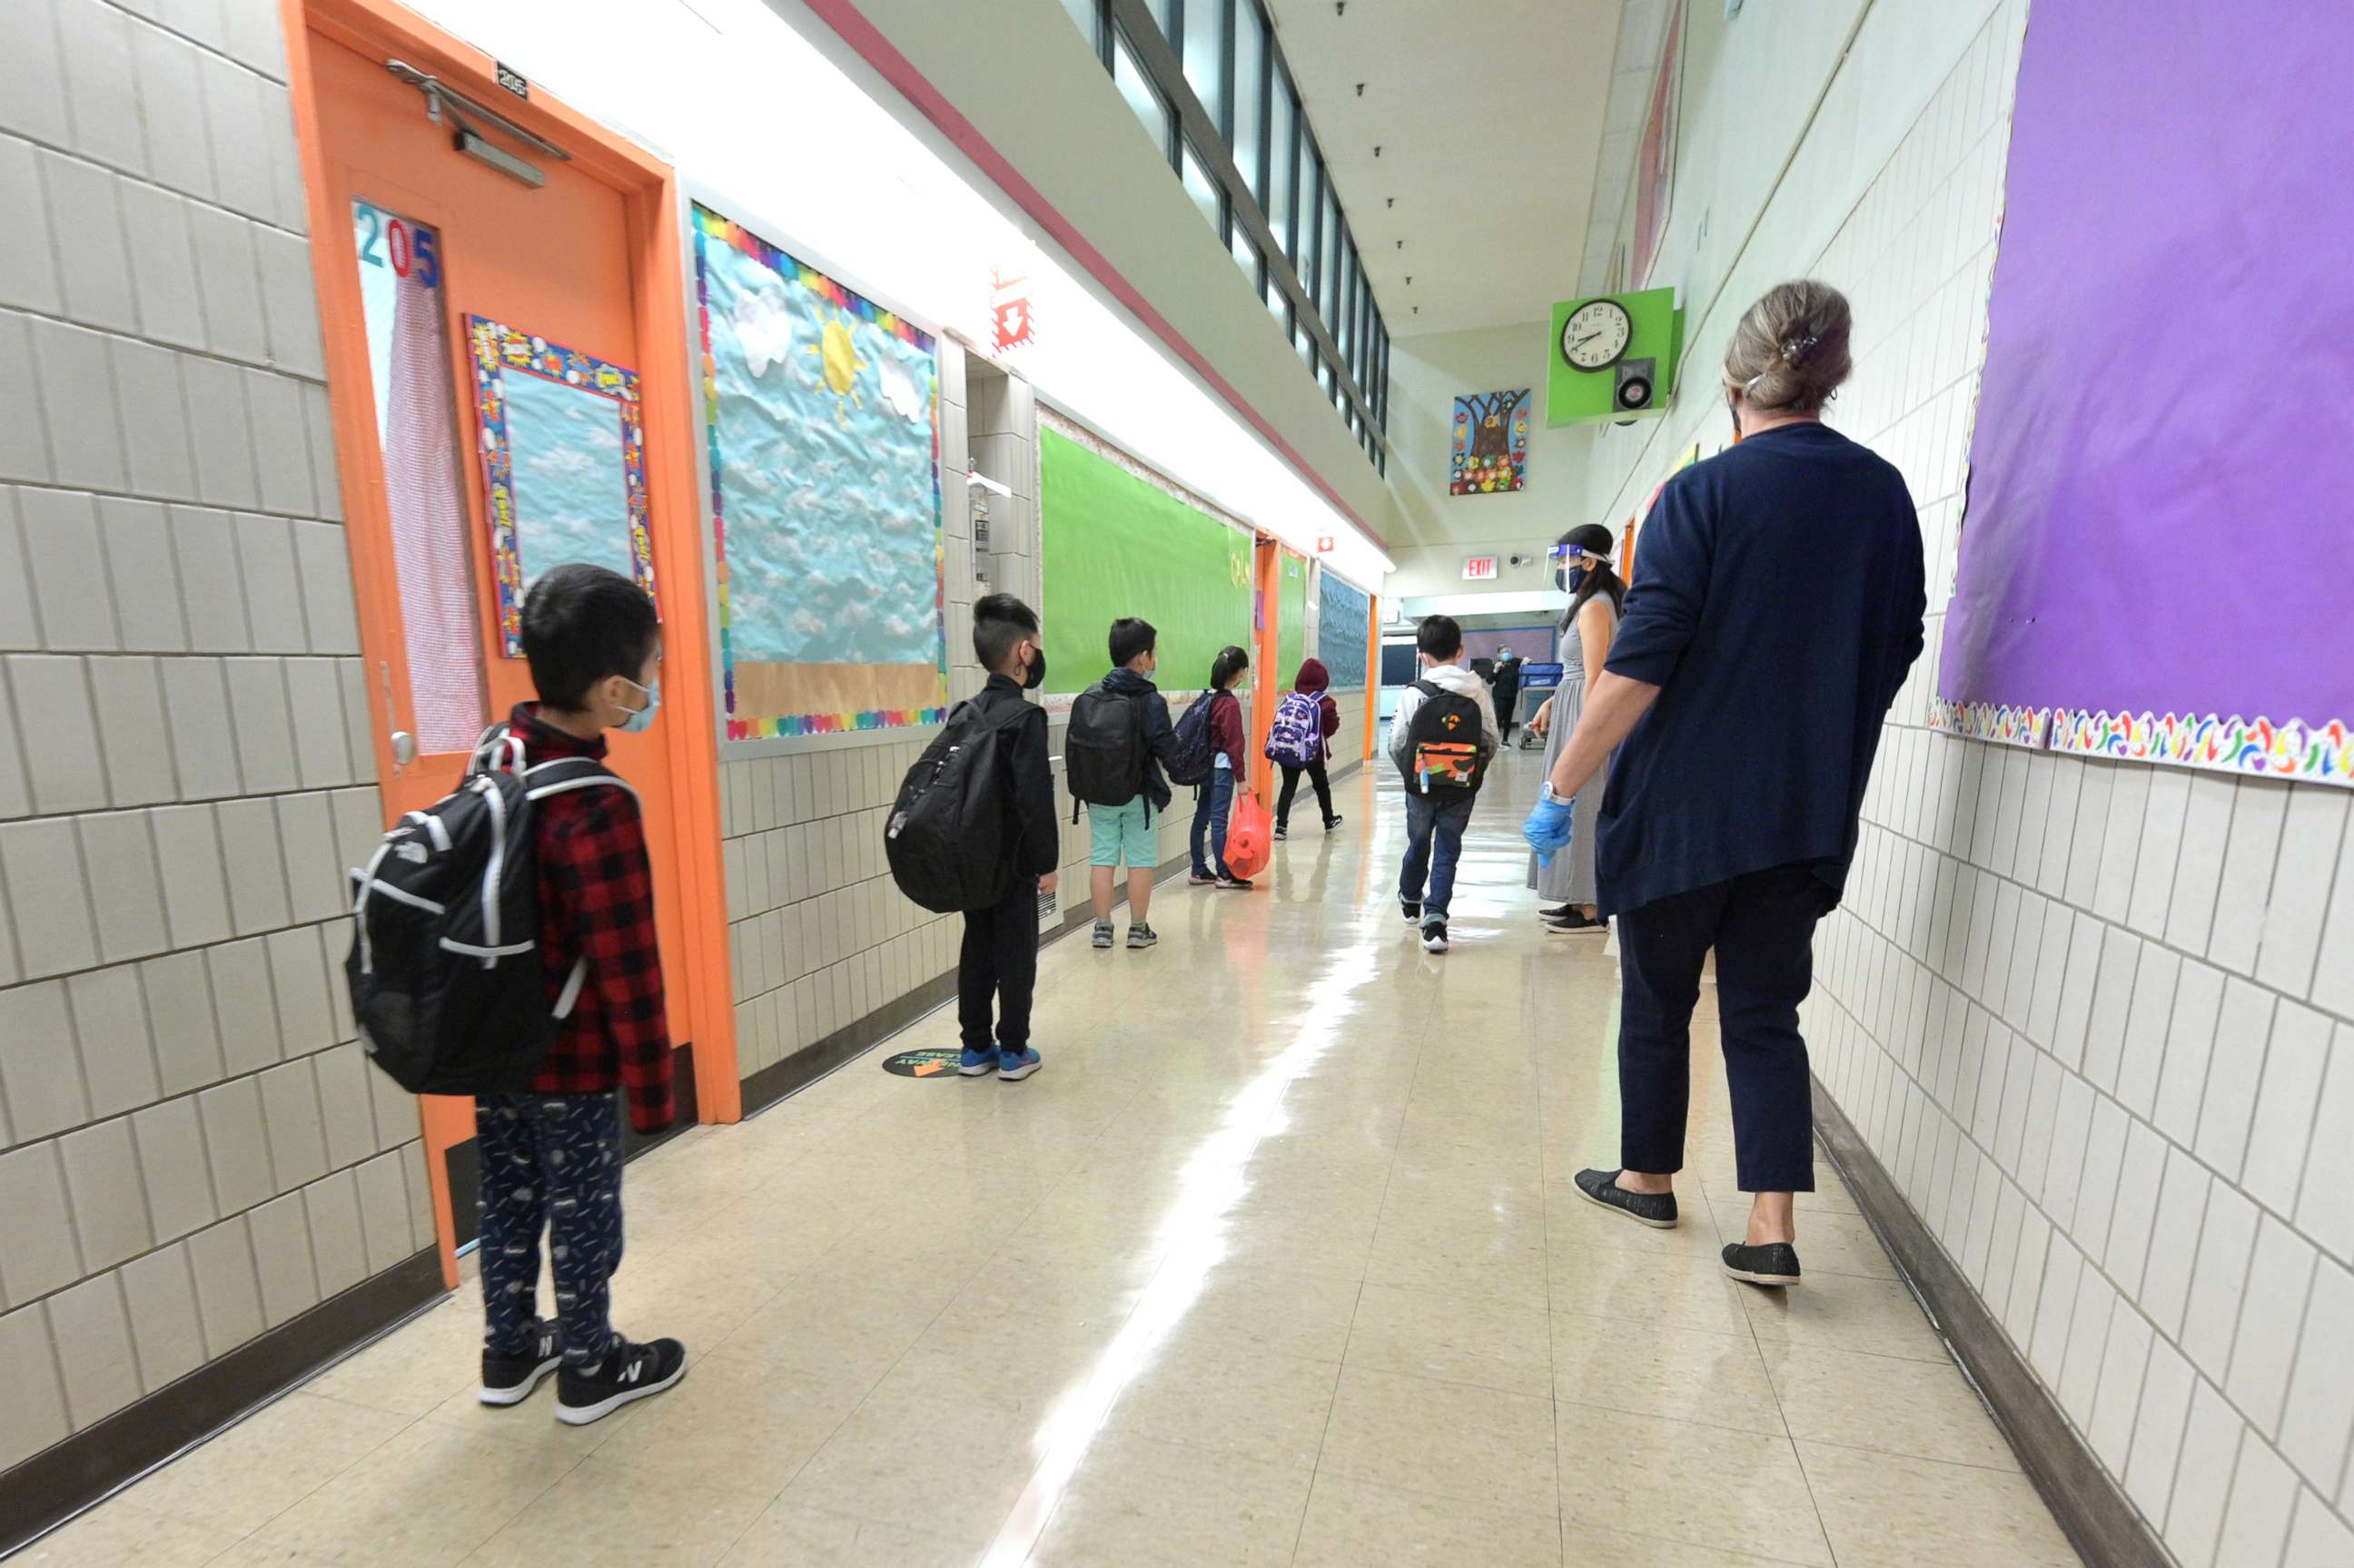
x,y
1231,662
580,624
1000,621
1440,636
1132,637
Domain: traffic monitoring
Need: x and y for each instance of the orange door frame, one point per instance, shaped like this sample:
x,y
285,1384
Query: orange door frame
x,y
699,987
1373,671
1265,690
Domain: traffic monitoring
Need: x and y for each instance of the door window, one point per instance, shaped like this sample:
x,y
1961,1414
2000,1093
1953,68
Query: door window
x,y
417,439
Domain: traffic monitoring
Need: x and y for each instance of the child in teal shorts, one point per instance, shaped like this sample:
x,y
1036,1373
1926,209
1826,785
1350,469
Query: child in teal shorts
x,y
1129,831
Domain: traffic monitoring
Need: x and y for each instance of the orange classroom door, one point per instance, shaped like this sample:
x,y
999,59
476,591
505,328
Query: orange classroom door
x,y
423,252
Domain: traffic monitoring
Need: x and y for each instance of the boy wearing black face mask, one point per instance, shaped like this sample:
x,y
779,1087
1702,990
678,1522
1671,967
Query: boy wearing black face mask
x,y
1000,959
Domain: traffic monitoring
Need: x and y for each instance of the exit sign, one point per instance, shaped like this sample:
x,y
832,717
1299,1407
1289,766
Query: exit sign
x,y
1480,570
1323,544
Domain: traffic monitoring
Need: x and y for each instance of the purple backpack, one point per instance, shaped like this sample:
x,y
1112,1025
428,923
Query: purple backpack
x,y
1296,739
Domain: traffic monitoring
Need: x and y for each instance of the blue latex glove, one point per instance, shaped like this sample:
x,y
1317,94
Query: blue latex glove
x,y
1547,829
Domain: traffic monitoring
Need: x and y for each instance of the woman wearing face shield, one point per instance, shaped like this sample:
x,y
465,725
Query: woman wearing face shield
x,y
1566,882
1774,610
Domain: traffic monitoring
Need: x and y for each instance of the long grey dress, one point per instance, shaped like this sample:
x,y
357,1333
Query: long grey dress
x,y
1570,878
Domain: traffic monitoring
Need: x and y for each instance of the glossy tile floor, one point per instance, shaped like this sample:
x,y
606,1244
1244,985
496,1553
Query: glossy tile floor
x,y
1276,1261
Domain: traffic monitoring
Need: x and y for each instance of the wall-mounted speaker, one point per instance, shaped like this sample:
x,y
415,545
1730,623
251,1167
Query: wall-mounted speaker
x,y
1635,381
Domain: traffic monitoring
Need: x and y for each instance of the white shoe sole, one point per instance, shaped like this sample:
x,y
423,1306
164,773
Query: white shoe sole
x,y
978,1070
1627,1212
582,1415
523,1390
1016,1075
1772,1281
1433,944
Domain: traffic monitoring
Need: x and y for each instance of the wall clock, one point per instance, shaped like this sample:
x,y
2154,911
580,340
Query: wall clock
x,y
1596,335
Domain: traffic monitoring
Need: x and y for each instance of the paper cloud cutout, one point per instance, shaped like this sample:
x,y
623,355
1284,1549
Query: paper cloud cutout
x,y
906,395
764,326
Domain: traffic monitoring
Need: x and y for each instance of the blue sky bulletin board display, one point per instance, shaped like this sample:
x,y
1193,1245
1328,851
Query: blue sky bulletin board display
x,y
820,409
564,464
1343,627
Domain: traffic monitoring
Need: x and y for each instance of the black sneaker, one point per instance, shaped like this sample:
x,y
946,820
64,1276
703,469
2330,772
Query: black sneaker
x,y
1776,1264
1656,1210
509,1380
1331,823
1558,912
1140,935
1434,935
1411,910
1282,834
1232,883
629,1373
1574,923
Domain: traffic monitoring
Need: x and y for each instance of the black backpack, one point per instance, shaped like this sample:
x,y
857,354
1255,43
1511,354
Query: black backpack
x,y
445,970
1446,751
1103,751
1194,758
945,839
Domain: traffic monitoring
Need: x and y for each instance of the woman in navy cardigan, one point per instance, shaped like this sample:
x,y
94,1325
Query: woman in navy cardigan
x,y
1775,610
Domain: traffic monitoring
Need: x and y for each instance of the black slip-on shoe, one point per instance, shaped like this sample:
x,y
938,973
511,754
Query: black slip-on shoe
x,y
509,1380
1656,1210
1775,1264
628,1372
1574,923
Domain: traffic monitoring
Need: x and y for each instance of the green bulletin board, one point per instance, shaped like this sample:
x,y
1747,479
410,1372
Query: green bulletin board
x,y
1290,620
1112,545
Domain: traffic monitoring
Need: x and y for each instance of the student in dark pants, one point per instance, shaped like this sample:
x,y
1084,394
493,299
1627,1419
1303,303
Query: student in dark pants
x,y
998,962
1314,684
1775,607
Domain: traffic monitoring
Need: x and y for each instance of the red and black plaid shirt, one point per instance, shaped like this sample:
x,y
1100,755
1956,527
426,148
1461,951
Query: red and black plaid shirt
x,y
597,900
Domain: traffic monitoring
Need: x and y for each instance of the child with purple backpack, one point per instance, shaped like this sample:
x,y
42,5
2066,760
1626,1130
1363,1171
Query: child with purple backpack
x,y
1300,741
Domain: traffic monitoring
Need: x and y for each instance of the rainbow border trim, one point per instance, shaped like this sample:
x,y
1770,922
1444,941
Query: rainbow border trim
x,y
1997,722
2262,747
497,349
710,226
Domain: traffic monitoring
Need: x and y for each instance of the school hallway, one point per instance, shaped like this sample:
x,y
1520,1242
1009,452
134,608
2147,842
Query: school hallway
x,y
1277,1261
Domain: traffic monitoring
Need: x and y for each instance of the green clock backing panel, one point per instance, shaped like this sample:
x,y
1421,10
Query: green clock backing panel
x,y
1587,396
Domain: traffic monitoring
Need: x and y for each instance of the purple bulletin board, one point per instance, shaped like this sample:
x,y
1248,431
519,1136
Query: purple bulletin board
x,y
2157,557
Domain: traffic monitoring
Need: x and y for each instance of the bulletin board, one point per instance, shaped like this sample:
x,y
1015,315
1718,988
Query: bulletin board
x,y
2154,560
1344,627
821,416
564,464
1291,618
1114,545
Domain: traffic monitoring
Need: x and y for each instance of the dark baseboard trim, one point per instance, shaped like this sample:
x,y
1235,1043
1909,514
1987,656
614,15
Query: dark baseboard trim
x,y
788,1076
69,1476
464,1164
2099,1520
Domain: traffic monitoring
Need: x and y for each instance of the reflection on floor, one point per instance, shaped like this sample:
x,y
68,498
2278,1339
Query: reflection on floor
x,y
1277,1261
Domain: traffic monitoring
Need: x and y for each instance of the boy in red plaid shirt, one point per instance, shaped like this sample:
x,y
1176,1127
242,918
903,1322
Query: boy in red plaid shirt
x,y
551,1157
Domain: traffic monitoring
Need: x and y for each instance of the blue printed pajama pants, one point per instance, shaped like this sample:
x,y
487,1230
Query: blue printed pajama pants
x,y
550,1162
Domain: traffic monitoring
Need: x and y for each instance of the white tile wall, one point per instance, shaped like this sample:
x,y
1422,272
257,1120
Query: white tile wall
x,y
190,1146
2166,956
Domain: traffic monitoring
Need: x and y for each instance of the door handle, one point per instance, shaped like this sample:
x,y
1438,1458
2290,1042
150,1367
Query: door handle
x,y
404,748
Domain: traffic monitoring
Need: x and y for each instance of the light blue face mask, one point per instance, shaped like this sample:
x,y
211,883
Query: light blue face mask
x,y
642,719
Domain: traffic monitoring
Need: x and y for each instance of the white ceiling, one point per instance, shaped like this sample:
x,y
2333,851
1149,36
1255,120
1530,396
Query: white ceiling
x,y
1489,117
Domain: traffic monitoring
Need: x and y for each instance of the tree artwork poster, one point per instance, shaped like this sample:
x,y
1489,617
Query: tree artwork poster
x,y
1491,443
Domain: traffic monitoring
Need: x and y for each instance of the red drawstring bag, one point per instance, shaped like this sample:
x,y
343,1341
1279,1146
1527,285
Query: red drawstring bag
x,y
1248,836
